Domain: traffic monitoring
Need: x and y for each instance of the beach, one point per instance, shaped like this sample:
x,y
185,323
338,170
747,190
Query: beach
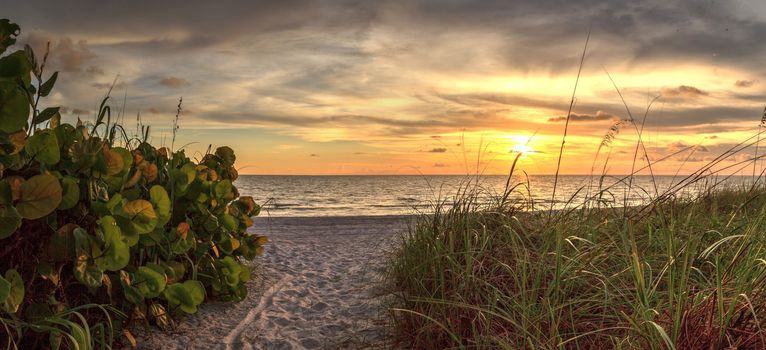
x,y
317,286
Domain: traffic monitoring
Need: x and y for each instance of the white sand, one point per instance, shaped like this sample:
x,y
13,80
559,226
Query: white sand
x,y
319,289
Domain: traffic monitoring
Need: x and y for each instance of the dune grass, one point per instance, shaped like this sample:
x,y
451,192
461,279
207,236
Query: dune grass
x,y
680,273
682,270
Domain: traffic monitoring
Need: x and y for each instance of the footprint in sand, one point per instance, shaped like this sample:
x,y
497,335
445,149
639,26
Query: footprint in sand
x,y
317,290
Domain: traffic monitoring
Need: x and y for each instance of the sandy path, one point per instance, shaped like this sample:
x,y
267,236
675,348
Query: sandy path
x,y
317,290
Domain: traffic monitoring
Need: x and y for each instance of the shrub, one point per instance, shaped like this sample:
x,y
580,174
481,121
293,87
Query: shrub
x,y
95,224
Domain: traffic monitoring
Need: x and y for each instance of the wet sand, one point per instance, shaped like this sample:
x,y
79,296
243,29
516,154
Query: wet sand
x,y
316,287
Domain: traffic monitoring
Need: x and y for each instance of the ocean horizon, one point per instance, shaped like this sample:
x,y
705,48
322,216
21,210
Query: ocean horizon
x,y
376,195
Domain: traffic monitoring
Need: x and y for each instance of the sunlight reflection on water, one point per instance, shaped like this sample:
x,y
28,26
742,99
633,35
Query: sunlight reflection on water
x,y
404,194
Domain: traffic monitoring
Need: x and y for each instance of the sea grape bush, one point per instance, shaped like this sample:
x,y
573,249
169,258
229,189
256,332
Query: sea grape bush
x,y
90,216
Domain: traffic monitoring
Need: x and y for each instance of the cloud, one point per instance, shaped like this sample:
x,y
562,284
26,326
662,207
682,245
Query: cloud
x,y
75,111
682,92
173,82
678,146
313,155
744,83
104,86
440,165
302,67
66,54
438,150
599,116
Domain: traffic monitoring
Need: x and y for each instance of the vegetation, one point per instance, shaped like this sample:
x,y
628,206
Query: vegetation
x,y
673,274
99,230
677,272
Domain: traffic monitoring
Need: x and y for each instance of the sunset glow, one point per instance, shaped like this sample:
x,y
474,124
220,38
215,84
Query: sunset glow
x,y
413,88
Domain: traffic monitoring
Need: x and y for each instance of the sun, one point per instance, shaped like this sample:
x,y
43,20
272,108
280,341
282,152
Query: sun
x,y
521,144
522,148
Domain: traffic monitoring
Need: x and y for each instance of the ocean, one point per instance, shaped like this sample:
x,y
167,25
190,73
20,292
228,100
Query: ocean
x,y
364,195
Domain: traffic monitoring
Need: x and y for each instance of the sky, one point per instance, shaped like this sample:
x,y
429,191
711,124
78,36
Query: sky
x,y
415,87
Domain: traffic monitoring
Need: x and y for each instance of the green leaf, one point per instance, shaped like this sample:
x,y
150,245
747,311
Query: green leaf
x,y
43,146
113,202
187,296
116,253
183,177
47,86
46,114
179,181
128,230
132,294
159,198
181,246
16,65
8,33
65,135
40,196
248,205
85,269
9,220
127,158
174,270
228,222
6,197
71,193
225,244
62,242
5,289
224,189
230,270
32,60
210,224
227,155
14,106
141,214
16,292
150,282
